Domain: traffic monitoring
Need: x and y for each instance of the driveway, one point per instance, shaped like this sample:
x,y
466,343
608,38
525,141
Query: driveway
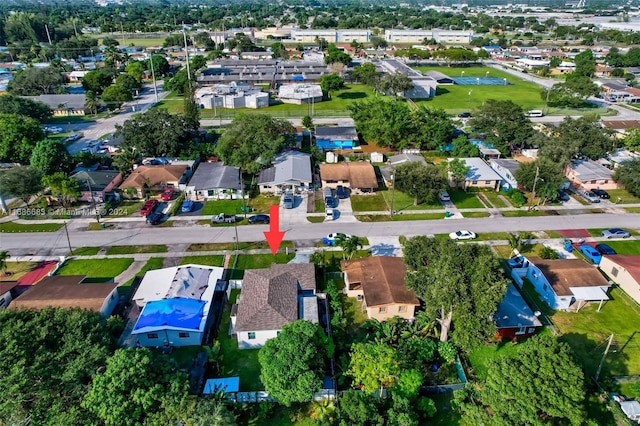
x,y
344,211
296,215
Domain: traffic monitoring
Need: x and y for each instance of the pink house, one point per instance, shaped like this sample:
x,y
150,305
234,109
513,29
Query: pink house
x,y
587,174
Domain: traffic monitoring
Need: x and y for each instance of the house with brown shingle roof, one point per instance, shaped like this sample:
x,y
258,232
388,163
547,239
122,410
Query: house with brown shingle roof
x,y
566,284
624,270
156,178
272,298
357,175
378,281
69,291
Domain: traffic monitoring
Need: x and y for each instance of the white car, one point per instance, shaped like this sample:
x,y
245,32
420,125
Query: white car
x,y
337,235
444,196
54,130
462,235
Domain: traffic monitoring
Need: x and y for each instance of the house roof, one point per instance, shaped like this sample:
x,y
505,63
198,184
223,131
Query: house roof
x,y
621,124
6,286
185,281
64,291
629,262
288,167
359,174
513,311
171,314
564,274
382,280
336,132
437,75
511,165
479,170
586,170
157,175
216,175
403,158
99,179
269,298
70,101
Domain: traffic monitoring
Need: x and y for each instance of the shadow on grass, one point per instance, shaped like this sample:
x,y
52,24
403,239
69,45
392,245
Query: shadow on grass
x,y
441,91
352,95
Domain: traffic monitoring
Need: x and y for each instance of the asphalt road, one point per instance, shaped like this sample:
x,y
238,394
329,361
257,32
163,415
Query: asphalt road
x,y
56,243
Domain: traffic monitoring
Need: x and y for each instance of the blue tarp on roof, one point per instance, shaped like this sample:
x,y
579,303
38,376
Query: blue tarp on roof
x,y
226,384
176,312
297,78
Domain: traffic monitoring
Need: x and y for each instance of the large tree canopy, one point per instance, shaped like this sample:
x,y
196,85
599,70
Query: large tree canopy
x,y
18,137
48,358
578,138
550,176
97,81
12,104
50,156
293,364
628,175
252,140
156,132
422,181
539,384
461,285
504,122
22,182
36,81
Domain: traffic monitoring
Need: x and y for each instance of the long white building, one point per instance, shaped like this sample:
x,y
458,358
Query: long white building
x,y
332,36
417,36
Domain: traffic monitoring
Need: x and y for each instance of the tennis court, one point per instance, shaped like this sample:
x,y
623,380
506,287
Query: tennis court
x,y
481,81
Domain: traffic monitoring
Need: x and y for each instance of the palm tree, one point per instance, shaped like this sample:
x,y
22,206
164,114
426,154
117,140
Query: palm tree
x,y
4,255
350,246
92,102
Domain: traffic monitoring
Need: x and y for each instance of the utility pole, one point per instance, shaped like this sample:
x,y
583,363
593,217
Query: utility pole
x,y
546,101
533,190
46,27
153,75
93,201
186,50
66,231
393,190
604,355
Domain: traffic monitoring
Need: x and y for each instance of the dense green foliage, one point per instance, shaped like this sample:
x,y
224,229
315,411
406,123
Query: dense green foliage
x,y
293,364
36,81
422,181
628,175
504,123
550,176
50,156
18,137
12,104
48,358
577,138
22,182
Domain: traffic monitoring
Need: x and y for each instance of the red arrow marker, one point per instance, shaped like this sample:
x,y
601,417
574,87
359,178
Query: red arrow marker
x,y
274,236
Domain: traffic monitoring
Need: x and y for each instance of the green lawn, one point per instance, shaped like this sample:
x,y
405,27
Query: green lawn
x,y
159,248
17,269
259,204
465,200
258,261
632,209
475,214
494,198
95,268
522,213
145,42
255,245
315,219
622,196
625,247
588,330
85,251
318,205
153,263
29,227
340,100
479,357
210,260
369,203
402,201
236,362
399,217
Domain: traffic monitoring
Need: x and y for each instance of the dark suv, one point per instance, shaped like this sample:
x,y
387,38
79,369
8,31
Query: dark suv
x,y
155,218
601,193
259,218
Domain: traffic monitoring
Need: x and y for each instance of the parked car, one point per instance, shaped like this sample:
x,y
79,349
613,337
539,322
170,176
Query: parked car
x,y
341,192
605,249
155,218
591,253
590,196
148,207
167,194
328,197
74,137
223,218
288,200
464,115
332,239
53,129
516,262
329,214
563,196
187,206
259,218
444,196
462,235
601,193
615,233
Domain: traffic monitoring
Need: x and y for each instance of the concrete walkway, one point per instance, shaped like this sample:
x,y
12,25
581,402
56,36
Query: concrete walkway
x,y
130,272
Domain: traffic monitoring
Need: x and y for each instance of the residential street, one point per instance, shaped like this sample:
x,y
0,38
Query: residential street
x,y
45,244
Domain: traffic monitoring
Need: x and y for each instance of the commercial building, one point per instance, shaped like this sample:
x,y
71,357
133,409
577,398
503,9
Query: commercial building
x,y
331,36
417,36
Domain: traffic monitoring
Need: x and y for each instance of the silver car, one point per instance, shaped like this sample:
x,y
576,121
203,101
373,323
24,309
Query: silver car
x,y
616,233
590,196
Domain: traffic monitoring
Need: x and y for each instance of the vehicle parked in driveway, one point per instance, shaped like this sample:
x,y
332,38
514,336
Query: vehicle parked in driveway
x,y
74,137
615,233
589,196
444,196
605,249
341,192
259,218
329,214
601,193
148,207
464,115
223,218
328,197
591,253
167,194
155,218
462,235
187,206
288,200
563,196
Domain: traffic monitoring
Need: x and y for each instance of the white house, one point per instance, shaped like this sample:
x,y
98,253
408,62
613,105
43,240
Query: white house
x,y
624,270
175,304
272,298
291,171
480,175
565,284
506,169
216,180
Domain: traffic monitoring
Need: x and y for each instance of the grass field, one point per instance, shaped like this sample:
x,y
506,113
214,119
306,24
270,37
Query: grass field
x,y
17,269
494,198
259,204
95,268
85,251
625,247
475,214
209,260
622,196
258,261
254,245
465,200
137,249
29,227
402,201
399,217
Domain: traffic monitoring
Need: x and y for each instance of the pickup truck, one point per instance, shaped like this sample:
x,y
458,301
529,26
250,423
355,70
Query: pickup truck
x,y
223,218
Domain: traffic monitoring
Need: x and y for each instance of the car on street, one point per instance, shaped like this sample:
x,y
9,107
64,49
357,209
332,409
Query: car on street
x,y
74,137
515,262
589,196
332,239
259,218
53,129
601,193
462,235
341,192
444,196
605,249
187,206
155,218
591,253
223,218
288,200
464,114
615,233
167,194
148,207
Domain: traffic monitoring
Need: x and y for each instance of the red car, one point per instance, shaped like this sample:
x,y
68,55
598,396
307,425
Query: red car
x,y
167,194
148,207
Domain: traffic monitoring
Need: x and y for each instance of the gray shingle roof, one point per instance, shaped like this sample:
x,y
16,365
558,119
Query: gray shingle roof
x,y
288,167
215,175
513,311
269,297
403,158
99,179
339,132
587,170
52,101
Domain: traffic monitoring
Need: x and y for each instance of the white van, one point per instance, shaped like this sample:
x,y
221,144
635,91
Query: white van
x,y
534,113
